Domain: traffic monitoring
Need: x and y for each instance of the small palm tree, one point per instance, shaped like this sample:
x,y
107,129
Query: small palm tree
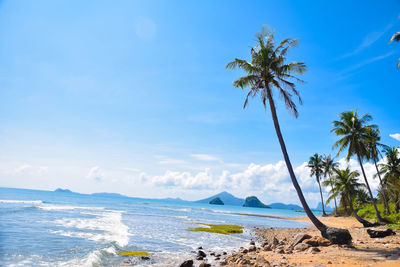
x,y
269,72
346,184
354,132
317,168
396,37
329,165
373,144
391,173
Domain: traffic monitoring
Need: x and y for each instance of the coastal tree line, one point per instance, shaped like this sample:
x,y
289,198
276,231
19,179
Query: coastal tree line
x,y
268,73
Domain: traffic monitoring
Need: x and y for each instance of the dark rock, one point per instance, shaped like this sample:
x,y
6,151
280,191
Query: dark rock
x,y
188,263
275,241
199,258
200,248
252,243
312,241
299,238
201,253
337,236
314,250
252,248
301,247
244,251
145,258
212,253
203,264
224,253
373,233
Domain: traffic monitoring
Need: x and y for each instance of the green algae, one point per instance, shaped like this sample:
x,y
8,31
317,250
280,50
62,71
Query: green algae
x,y
224,229
133,253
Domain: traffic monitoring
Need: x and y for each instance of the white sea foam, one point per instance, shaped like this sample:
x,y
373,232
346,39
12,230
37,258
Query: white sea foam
x,y
7,201
61,207
108,222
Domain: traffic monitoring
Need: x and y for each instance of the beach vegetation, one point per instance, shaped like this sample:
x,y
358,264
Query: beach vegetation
x,y
353,132
316,166
225,229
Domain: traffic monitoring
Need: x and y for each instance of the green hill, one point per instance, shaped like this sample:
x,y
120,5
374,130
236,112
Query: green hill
x,y
216,201
254,202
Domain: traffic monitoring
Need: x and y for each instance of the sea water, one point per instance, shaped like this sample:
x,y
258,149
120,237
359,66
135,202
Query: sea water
x,y
45,228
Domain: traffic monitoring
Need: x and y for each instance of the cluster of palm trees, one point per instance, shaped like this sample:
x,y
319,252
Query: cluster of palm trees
x,y
362,141
269,73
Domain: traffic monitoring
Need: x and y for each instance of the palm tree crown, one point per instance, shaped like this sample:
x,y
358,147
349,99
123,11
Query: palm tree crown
x,y
396,37
355,133
268,69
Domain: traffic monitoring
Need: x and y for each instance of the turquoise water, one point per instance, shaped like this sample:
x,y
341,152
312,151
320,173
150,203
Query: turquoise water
x,y
44,228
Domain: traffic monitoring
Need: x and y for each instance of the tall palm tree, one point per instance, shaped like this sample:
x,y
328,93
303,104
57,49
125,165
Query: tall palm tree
x,y
396,37
354,132
373,144
346,184
269,72
317,168
391,173
329,165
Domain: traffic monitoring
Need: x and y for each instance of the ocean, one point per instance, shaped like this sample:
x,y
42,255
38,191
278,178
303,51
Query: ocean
x,y
46,228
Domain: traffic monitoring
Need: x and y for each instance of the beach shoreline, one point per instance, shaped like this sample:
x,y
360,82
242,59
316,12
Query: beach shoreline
x,y
364,251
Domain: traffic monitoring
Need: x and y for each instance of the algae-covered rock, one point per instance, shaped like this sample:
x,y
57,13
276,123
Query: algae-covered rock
x,y
219,228
133,253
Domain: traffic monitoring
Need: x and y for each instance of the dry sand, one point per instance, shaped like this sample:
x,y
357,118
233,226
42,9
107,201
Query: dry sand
x,y
366,251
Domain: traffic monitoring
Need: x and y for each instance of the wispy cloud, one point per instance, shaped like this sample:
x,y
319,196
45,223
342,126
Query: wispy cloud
x,y
366,62
369,40
395,136
205,157
169,161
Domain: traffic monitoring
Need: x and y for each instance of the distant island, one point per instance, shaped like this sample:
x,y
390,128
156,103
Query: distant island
x,y
104,194
60,190
254,202
225,197
285,206
216,201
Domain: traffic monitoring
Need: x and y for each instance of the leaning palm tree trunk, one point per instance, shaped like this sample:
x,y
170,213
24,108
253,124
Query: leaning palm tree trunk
x,y
364,222
378,215
320,226
322,199
385,201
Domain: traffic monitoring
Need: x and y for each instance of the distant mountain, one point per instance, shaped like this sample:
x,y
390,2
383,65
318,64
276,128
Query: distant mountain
x,y
285,206
227,198
216,201
177,199
327,208
60,190
254,202
104,194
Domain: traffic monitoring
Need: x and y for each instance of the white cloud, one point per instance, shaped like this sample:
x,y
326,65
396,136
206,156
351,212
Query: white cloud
x,y
29,170
271,182
205,157
95,173
395,136
170,161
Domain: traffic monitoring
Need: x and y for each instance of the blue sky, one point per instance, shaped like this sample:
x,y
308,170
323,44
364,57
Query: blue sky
x,y
133,96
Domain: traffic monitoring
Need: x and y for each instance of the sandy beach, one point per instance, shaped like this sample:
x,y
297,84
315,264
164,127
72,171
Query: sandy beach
x,y
364,251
